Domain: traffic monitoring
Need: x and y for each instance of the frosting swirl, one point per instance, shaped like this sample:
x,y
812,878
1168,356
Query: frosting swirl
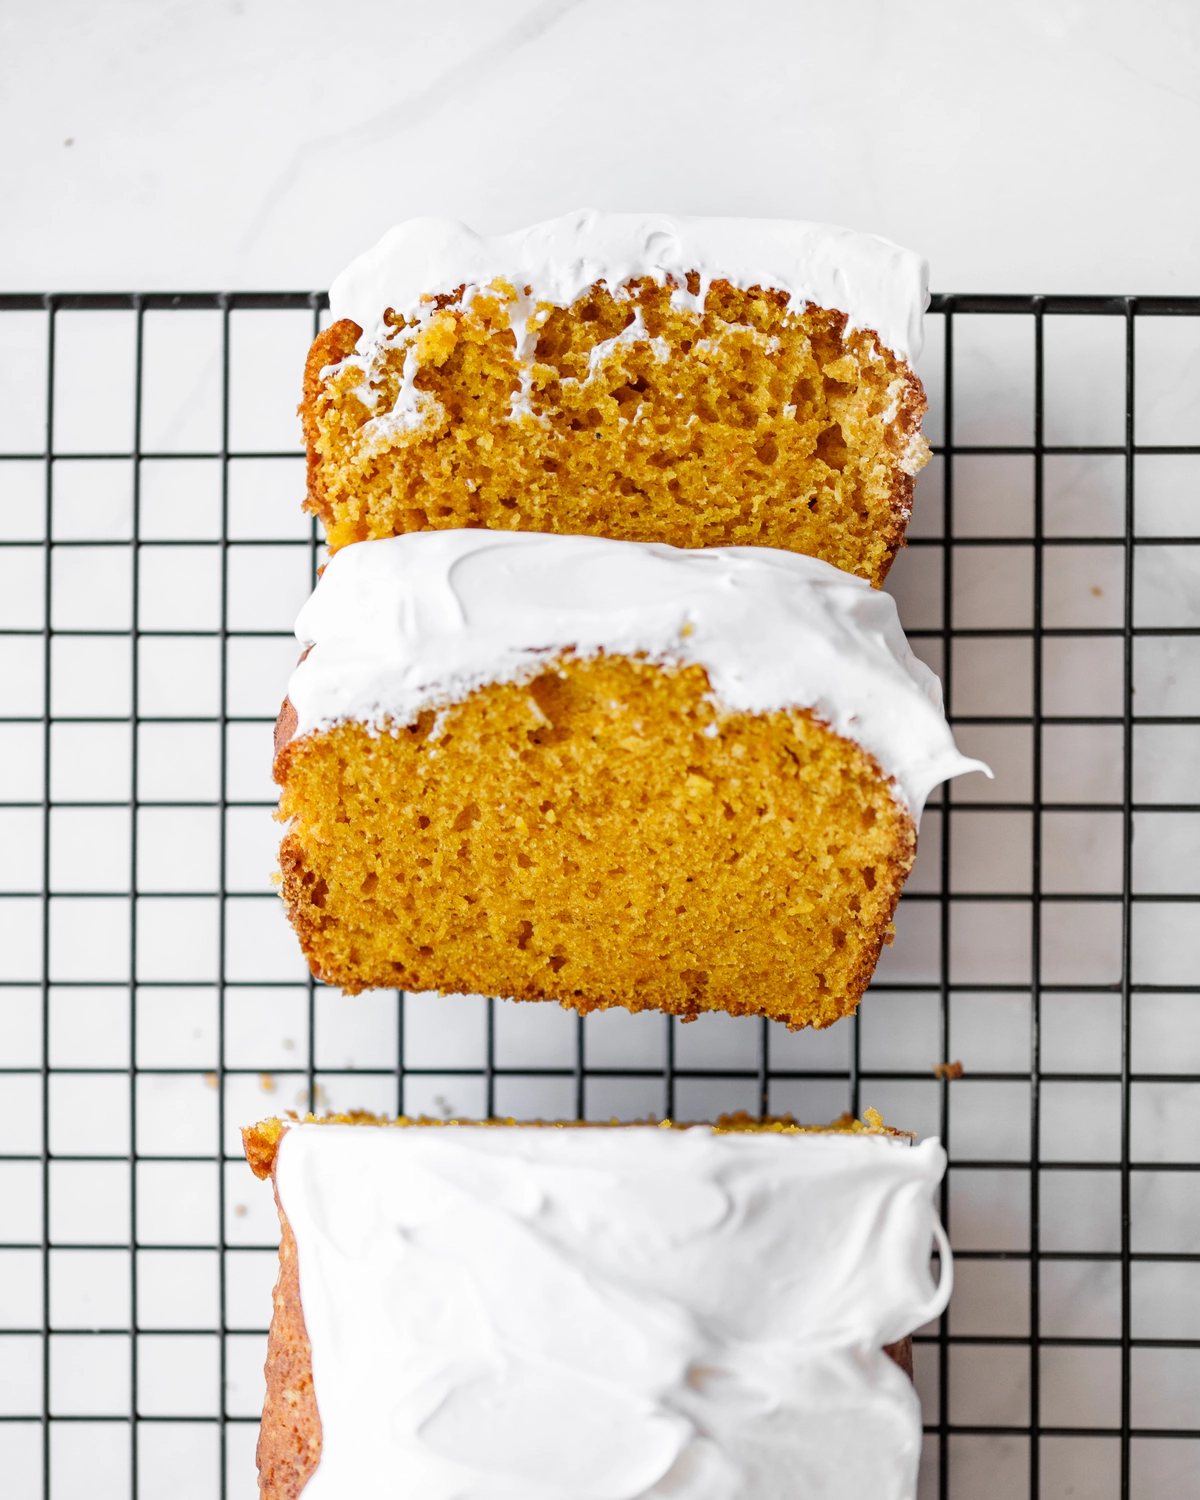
x,y
877,284
611,1314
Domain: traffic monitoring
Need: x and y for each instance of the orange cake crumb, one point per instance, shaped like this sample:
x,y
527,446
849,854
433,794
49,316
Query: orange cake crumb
x,y
603,835
746,424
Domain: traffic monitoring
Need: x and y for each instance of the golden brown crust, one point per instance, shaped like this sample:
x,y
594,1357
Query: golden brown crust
x,y
285,724
902,1353
289,1438
602,835
261,1140
330,347
749,424
260,1143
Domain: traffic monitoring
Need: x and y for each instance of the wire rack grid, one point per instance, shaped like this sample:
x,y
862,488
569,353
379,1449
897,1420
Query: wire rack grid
x,y
152,1000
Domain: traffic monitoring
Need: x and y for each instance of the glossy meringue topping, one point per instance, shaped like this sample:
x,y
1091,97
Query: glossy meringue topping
x,y
418,621
878,285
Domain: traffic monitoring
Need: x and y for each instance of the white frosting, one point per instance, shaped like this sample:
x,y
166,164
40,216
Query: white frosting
x,y
607,1314
875,283
418,621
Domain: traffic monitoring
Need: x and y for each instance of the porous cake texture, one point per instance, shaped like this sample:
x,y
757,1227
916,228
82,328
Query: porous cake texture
x,y
586,837
697,382
517,1247
559,768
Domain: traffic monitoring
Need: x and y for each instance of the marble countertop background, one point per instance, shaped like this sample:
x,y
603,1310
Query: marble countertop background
x,y
1038,145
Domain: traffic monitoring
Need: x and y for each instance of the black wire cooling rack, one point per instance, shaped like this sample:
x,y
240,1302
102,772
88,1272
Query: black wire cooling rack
x,y
153,1000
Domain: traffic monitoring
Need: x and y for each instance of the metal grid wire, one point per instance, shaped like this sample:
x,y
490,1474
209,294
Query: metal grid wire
x,y
152,999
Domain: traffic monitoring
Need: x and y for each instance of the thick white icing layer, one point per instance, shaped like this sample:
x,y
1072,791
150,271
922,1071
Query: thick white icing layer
x,y
875,283
611,1314
417,621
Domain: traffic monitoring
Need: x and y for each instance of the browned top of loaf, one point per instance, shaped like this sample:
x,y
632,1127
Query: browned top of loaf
x,y
261,1141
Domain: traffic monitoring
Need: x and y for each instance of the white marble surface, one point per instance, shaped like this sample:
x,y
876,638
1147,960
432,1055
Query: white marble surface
x,y
1035,145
